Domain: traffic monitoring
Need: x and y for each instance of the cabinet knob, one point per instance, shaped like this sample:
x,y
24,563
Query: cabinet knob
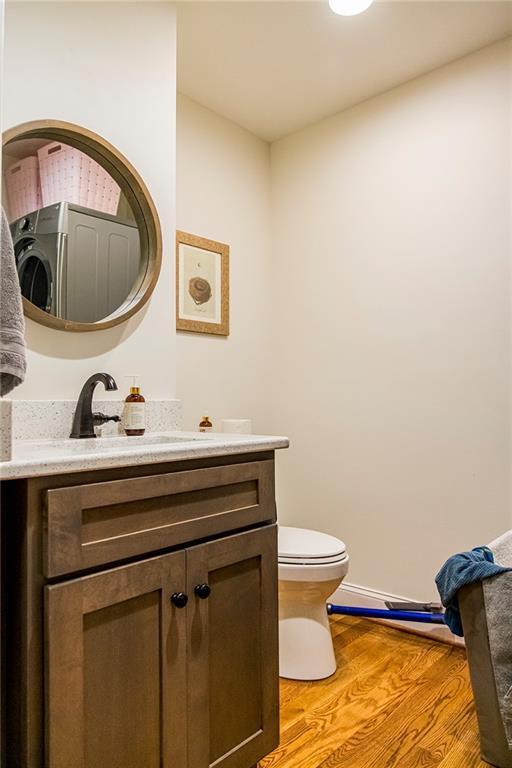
x,y
179,599
202,591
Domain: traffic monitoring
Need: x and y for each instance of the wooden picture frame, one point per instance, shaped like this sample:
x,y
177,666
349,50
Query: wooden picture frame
x,y
202,285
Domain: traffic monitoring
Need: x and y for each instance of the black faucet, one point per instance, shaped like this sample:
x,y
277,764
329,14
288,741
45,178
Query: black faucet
x,y
85,420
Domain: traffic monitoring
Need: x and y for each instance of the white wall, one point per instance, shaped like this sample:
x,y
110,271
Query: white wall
x,y
374,329
392,247
223,193
124,89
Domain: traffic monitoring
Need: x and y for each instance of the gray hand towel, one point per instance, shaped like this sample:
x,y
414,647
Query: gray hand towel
x,y
13,362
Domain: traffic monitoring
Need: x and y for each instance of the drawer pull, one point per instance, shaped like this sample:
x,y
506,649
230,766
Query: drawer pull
x,y
203,591
179,599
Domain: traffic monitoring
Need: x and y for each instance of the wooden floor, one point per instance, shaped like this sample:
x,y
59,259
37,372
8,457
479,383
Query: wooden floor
x,y
396,700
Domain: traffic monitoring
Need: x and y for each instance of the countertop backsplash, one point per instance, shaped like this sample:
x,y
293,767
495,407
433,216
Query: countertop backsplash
x,y
52,419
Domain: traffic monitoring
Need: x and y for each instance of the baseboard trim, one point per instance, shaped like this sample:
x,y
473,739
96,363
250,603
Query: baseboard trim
x,y
355,595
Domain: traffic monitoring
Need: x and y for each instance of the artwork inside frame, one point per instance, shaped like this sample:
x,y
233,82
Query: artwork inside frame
x,y
202,285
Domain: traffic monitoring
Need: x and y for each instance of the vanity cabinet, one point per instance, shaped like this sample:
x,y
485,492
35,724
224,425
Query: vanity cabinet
x,y
142,617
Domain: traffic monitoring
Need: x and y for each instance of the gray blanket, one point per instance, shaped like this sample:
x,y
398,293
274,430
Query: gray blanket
x,y
498,608
12,325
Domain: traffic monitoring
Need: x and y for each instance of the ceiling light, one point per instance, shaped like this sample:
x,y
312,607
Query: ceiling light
x,y
349,7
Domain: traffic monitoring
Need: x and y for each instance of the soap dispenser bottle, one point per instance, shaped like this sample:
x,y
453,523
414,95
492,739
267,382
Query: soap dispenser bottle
x,y
134,410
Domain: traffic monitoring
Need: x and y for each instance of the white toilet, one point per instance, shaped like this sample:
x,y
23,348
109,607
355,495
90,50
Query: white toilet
x,y
312,565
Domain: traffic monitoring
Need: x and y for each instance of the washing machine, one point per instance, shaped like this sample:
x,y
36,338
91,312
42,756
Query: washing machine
x,y
38,260
76,263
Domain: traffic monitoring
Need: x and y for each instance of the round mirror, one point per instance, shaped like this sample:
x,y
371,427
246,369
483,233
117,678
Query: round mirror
x,y
86,234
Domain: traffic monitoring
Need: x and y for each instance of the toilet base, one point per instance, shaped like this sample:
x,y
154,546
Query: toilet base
x,y
306,649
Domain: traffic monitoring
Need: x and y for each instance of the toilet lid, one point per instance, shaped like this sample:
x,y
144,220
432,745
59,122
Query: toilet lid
x,y
300,545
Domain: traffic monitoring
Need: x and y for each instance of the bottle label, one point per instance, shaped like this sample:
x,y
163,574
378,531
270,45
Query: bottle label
x,y
205,429
135,416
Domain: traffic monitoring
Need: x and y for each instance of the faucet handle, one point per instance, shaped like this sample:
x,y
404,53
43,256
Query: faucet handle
x,y
101,418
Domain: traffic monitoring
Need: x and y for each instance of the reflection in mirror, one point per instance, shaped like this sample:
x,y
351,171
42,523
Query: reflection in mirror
x,y
76,240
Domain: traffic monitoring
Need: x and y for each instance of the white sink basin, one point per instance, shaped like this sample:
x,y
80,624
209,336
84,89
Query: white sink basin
x,y
113,444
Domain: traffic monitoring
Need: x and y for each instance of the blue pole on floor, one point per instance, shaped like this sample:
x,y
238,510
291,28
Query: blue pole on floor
x,y
378,613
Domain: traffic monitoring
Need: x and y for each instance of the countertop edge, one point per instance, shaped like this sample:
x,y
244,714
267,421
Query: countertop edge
x,y
20,469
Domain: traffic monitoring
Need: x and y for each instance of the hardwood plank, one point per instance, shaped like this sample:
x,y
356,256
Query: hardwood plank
x,y
396,701
443,739
311,735
403,728
369,677
351,630
371,697
466,753
353,646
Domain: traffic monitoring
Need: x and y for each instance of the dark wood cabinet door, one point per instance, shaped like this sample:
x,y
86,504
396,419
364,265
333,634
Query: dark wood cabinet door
x,y
116,668
233,693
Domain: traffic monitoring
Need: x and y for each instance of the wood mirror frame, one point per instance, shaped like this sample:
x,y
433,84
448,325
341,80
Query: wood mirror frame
x,y
138,198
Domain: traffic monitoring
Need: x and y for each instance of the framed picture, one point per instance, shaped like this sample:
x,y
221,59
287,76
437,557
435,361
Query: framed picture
x,y
202,285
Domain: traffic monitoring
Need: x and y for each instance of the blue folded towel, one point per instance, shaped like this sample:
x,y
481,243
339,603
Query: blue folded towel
x,y
460,570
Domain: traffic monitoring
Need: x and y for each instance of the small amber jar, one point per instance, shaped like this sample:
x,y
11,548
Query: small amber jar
x,y
205,425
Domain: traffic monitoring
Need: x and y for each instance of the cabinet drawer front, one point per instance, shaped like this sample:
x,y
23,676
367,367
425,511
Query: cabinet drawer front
x,y
99,523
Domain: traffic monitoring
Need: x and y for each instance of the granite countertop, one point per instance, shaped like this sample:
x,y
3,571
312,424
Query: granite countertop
x,y
36,458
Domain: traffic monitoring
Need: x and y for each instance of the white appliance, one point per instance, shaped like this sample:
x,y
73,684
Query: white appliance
x,y
75,263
